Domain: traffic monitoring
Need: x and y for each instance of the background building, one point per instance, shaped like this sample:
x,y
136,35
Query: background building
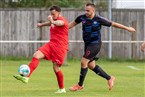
x,y
128,4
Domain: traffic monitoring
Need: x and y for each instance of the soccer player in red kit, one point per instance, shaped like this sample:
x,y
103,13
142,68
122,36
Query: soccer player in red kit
x,y
55,50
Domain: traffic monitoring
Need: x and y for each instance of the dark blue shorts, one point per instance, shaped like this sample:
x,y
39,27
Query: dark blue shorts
x,y
91,51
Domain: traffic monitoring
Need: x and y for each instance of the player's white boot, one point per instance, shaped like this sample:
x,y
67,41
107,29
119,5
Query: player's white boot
x,y
61,91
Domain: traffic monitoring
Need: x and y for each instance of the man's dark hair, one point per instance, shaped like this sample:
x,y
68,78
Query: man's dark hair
x,y
91,4
57,8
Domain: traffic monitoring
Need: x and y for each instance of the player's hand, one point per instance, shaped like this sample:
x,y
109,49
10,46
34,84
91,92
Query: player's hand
x,y
131,29
50,18
142,48
39,25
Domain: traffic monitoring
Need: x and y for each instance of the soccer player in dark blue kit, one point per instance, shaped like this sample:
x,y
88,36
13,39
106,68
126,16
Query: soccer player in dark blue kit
x,y
91,26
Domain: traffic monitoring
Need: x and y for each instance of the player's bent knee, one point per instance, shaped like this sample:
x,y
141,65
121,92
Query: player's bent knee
x,y
84,62
56,67
38,55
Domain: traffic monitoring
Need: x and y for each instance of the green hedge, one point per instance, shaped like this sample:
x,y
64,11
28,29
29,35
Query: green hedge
x,y
48,3
43,3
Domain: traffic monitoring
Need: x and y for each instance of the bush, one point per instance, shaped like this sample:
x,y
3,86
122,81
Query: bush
x,y
48,3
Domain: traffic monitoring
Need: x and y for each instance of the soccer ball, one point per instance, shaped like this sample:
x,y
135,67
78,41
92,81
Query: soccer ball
x,y
24,70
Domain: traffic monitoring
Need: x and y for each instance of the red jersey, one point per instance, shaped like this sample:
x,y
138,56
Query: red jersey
x,y
59,34
56,49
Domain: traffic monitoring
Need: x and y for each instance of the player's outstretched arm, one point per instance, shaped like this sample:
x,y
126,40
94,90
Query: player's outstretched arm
x,y
55,22
43,24
143,47
117,25
58,22
72,24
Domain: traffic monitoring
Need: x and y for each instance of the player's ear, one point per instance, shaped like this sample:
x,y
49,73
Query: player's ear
x,y
93,9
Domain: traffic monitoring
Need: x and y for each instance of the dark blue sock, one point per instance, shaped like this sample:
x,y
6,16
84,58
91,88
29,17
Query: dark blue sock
x,y
83,73
98,70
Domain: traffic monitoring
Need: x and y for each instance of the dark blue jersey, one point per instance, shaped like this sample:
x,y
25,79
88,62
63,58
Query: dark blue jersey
x,y
91,28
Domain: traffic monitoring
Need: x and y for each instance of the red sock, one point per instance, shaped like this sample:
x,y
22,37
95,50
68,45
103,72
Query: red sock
x,y
60,79
33,65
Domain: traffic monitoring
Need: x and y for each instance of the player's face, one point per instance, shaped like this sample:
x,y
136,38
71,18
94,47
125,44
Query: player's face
x,y
89,11
55,14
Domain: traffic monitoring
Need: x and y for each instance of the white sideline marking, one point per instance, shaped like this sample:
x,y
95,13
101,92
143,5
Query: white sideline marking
x,y
134,68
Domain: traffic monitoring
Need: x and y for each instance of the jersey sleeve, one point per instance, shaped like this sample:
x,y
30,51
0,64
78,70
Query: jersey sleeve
x,y
78,19
105,21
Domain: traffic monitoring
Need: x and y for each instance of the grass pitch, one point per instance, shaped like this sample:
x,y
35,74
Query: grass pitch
x,y
129,81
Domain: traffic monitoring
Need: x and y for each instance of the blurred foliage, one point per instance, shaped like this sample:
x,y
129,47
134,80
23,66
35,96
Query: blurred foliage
x,y
102,4
48,3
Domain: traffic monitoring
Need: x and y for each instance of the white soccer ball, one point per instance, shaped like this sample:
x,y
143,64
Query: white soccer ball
x,y
24,70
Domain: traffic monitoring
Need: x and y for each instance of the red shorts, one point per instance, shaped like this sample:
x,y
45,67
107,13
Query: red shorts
x,y
54,53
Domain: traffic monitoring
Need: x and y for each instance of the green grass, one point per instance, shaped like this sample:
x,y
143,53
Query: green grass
x,y
129,82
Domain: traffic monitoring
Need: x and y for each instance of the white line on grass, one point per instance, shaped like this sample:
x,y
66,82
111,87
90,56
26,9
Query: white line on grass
x,y
133,67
